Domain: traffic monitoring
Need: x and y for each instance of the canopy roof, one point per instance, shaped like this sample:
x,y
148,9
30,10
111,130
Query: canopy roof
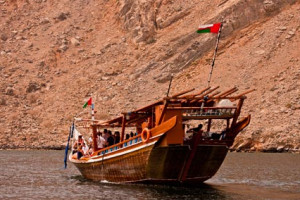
x,y
184,99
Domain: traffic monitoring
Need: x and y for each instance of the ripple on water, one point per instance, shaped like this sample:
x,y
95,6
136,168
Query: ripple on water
x,y
40,175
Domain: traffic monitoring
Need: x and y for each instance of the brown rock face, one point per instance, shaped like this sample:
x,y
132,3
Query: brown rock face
x,y
55,54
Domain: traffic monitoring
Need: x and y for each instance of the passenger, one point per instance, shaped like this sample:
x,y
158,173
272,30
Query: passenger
x,y
80,140
100,141
105,134
131,134
113,136
91,150
75,147
194,131
90,140
117,137
80,152
197,129
110,139
77,143
127,136
85,149
223,135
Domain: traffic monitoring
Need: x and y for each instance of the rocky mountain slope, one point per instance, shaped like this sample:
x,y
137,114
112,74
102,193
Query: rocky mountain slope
x,y
55,54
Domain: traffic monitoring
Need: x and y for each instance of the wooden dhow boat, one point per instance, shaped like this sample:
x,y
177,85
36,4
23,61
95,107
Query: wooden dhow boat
x,y
170,146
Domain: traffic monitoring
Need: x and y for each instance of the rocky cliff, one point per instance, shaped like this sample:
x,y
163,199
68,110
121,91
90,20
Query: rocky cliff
x,y
55,54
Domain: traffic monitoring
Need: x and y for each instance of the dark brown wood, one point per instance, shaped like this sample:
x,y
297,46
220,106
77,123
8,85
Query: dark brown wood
x,y
195,141
95,145
237,112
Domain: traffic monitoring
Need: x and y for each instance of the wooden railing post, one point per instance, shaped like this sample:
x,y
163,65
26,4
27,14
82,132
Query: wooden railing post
x,y
237,111
95,144
123,127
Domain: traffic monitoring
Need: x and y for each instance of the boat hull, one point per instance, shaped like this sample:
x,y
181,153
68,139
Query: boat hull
x,y
129,167
158,165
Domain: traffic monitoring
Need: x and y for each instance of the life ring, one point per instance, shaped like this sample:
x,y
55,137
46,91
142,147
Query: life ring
x,y
145,135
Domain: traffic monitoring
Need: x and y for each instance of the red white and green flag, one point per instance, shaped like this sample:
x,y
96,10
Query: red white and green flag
x,y
89,102
209,28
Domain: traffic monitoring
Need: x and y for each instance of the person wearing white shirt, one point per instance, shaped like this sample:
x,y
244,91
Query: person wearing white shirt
x,y
100,141
85,149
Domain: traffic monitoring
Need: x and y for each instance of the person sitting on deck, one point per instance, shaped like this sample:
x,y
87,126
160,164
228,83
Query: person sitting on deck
x,y
110,139
195,130
199,127
80,152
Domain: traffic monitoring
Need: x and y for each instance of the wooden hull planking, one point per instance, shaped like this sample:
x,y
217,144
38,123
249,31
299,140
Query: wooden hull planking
x,y
157,165
124,168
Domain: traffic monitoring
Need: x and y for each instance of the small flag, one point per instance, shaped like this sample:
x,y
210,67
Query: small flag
x,y
209,28
89,102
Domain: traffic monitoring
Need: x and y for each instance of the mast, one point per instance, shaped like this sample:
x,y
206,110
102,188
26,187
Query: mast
x,y
93,112
169,86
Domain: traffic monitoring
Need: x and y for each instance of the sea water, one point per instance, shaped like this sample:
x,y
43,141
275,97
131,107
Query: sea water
x,y
41,175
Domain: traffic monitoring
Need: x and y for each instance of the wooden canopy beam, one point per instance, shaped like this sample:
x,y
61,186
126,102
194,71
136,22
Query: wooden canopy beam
x,y
196,94
182,93
227,91
246,92
205,93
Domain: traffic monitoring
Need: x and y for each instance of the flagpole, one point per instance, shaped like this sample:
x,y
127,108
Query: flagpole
x,y
215,53
93,112
67,147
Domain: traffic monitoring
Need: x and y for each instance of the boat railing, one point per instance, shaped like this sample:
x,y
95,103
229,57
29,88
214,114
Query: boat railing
x,y
218,112
126,143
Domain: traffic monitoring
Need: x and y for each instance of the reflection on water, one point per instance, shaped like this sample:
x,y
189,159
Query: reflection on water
x,y
40,175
